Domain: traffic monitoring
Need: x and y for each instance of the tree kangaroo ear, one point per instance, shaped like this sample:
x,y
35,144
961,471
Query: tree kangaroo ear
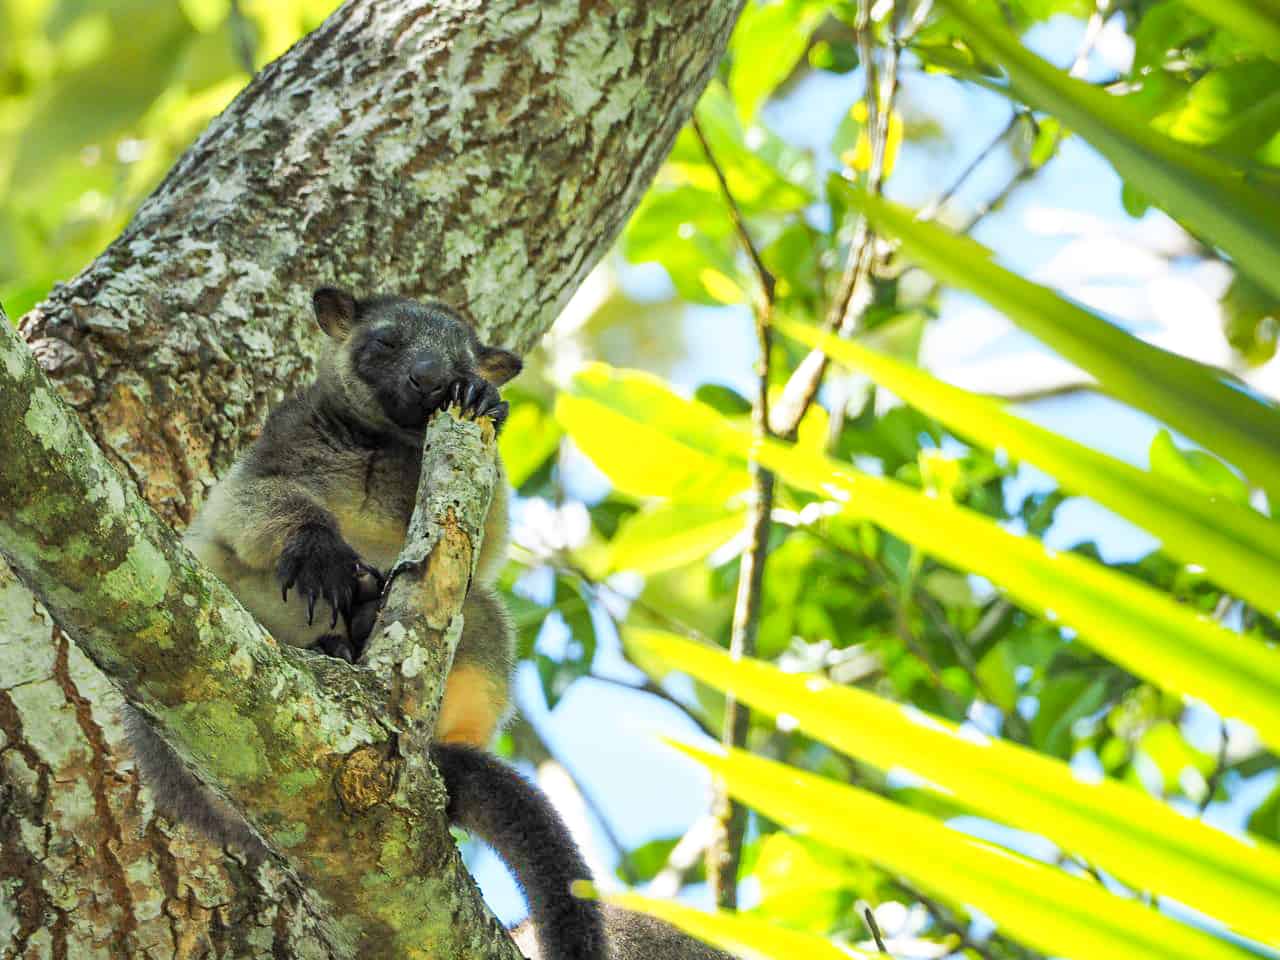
x,y
497,365
335,311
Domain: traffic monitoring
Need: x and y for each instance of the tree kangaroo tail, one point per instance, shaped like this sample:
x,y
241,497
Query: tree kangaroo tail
x,y
492,801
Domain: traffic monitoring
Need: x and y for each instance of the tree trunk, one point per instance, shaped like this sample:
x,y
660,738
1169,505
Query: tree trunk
x,y
485,153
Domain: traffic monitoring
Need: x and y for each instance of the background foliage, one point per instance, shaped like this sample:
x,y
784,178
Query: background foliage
x,y
1135,688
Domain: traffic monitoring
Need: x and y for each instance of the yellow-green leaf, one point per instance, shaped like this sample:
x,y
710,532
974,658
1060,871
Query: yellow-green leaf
x,y
1208,405
1136,626
1036,904
529,438
1239,547
1117,827
670,535
625,428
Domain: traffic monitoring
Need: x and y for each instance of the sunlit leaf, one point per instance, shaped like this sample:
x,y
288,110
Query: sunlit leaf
x,y
1236,107
1121,829
1238,546
529,438
671,535
768,41
1136,626
622,426
1198,470
1036,904
1208,405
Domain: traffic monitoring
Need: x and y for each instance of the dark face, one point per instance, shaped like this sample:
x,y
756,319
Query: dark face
x,y
407,354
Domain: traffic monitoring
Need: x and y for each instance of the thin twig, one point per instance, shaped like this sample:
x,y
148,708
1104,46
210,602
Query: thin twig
x,y
763,275
242,37
1219,768
938,202
654,690
725,849
943,920
874,927
1025,171
851,297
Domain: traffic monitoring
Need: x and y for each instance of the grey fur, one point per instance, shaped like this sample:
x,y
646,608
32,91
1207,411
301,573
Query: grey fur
x,y
332,482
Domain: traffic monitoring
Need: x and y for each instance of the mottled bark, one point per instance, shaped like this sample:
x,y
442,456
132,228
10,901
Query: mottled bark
x,y
484,152
317,753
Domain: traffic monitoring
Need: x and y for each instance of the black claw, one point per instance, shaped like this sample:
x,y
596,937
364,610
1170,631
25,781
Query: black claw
x,y
471,395
311,609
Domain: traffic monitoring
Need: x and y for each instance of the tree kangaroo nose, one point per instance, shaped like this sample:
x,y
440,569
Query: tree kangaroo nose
x,y
427,374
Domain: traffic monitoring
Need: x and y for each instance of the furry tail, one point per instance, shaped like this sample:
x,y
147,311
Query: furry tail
x,y
492,801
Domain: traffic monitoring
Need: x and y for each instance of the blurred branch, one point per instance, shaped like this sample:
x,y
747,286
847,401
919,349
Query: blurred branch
x,y
1026,170
763,276
851,295
653,689
869,916
931,211
724,852
1219,768
242,37
683,859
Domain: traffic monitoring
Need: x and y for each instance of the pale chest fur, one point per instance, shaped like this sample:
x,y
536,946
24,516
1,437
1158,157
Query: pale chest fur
x,y
374,506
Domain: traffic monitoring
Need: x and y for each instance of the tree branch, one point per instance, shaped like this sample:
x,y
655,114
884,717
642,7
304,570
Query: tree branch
x,y
724,852
486,154
318,756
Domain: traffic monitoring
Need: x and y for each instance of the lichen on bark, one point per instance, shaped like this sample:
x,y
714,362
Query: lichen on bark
x,y
485,152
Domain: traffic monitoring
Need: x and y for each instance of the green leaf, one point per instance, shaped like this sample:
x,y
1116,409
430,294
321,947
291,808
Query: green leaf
x,y
529,438
1257,21
805,885
1201,517
767,43
623,428
671,535
1122,829
1251,320
1236,107
1198,470
1208,405
1063,701
1213,198
1136,626
740,933
1039,905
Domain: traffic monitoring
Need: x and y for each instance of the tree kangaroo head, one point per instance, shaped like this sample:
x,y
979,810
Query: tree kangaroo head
x,y
400,360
